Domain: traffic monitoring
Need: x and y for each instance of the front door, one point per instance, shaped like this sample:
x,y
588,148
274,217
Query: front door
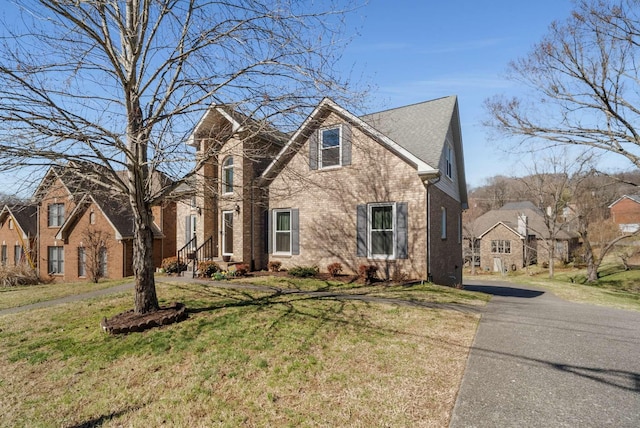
x,y
227,233
497,264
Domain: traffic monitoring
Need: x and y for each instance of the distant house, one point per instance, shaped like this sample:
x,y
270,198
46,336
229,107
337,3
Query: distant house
x,y
625,212
386,189
75,215
516,236
18,235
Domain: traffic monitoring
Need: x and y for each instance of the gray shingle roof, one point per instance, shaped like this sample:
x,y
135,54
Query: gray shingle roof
x,y
508,215
419,128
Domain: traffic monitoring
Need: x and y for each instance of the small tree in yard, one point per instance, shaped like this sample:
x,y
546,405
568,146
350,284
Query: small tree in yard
x,y
95,248
113,85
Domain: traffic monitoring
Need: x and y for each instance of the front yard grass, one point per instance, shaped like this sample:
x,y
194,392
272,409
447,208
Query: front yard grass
x,y
243,358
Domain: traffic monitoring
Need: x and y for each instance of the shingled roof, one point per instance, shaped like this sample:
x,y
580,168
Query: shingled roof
x,y
25,215
420,128
508,215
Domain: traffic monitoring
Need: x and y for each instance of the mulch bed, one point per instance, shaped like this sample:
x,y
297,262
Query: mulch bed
x,y
129,321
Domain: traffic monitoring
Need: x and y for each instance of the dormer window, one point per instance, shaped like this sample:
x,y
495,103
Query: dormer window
x,y
330,147
227,175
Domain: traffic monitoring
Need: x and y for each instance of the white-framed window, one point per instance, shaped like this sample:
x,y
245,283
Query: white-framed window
x,y
227,175
56,260
443,223
56,215
330,147
282,232
382,220
3,255
82,262
501,246
17,254
448,158
102,262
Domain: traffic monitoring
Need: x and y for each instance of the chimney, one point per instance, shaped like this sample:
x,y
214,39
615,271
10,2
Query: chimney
x,y
522,224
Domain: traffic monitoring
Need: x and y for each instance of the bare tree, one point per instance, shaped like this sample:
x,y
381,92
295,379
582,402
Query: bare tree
x,y
120,84
96,245
599,235
582,79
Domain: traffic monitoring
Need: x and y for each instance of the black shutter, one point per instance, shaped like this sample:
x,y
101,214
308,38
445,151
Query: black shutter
x,y
346,144
295,231
402,245
361,231
269,230
313,150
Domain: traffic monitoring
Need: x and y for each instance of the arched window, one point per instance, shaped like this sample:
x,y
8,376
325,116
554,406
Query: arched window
x,y
227,175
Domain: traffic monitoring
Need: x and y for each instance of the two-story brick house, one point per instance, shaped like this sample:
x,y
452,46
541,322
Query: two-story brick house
x,y
18,235
386,189
75,215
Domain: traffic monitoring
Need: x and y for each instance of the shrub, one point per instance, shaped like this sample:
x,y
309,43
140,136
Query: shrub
x,y
274,266
368,273
334,269
241,269
303,271
171,265
18,275
208,268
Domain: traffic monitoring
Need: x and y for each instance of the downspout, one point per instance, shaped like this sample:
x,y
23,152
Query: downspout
x,y
428,179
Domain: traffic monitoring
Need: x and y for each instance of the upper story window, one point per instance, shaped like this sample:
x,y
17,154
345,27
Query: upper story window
x,y
448,156
227,175
92,217
11,223
330,147
56,215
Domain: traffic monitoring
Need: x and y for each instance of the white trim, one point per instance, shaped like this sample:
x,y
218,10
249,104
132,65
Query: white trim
x,y
275,232
394,231
225,168
321,149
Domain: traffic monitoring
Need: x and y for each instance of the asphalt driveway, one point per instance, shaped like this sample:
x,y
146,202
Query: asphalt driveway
x,y
539,361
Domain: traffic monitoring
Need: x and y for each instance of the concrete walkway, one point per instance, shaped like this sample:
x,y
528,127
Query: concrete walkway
x,y
539,361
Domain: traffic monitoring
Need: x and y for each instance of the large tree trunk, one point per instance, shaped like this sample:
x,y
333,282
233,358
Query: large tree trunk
x,y
146,299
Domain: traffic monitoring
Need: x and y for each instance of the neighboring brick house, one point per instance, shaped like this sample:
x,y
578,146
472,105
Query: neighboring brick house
x,y
73,213
18,235
625,212
516,236
385,189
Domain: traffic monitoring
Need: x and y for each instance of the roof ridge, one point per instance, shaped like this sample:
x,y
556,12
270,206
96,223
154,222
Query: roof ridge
x,y
408,105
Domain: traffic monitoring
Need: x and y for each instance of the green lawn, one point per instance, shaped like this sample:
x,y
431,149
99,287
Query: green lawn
x,y
242,358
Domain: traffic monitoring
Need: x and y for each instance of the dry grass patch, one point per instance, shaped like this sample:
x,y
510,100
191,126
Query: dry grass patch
x,y
242,358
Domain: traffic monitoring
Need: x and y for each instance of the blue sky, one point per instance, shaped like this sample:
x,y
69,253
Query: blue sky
x,y
413,51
